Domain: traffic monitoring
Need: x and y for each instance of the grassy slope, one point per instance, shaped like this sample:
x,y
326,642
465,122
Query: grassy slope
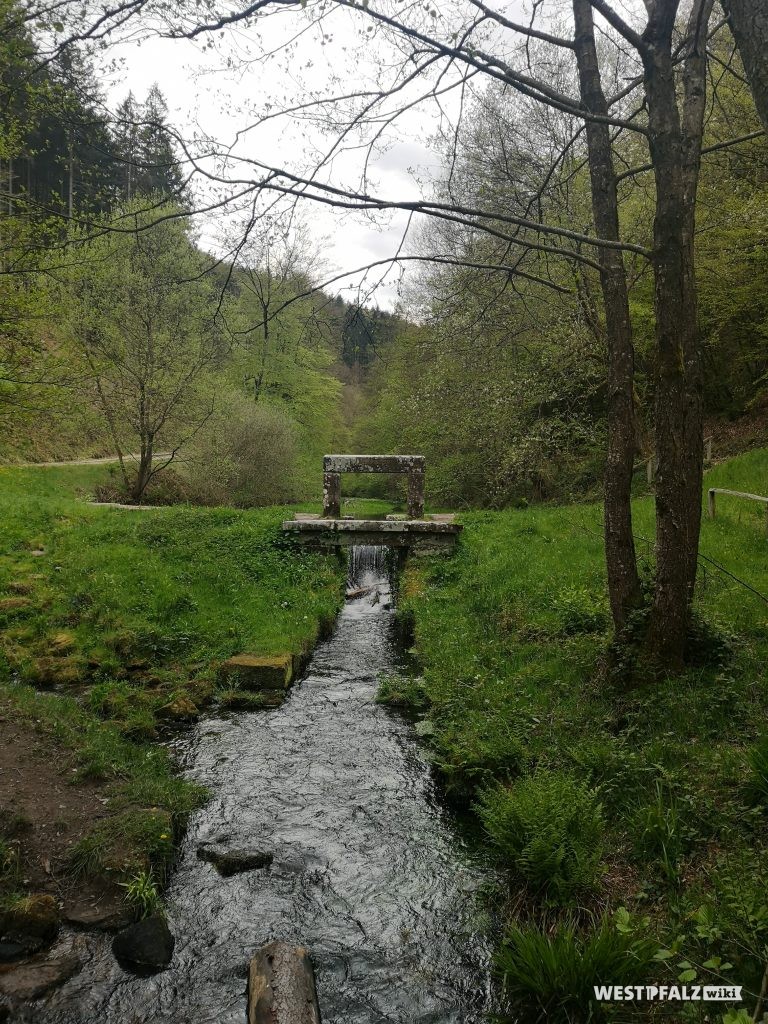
x,y
127,613
181,584
512,632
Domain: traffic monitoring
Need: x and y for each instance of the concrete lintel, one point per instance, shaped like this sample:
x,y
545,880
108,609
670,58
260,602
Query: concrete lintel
x,y
378,526
374,464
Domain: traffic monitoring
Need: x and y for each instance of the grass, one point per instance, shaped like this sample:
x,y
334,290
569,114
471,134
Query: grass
x,y
165,593
511,636
113,623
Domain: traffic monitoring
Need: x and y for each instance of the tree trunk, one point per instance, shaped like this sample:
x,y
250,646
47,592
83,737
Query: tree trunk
x,y
144,473
749,23
623,579
71,181
675,152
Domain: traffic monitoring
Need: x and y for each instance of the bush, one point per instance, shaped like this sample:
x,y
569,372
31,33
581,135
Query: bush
x,y
551,976
549,827
247,458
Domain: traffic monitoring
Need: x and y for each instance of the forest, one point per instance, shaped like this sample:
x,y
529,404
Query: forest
x,y
570,324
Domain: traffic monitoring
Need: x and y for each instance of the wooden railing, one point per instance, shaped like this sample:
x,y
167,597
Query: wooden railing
x,y
736,494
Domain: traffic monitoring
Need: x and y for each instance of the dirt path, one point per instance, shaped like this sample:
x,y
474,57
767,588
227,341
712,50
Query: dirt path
x,y
43,813
81,462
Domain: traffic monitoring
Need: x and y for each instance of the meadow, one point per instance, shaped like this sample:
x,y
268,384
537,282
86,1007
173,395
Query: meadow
x,y
622,812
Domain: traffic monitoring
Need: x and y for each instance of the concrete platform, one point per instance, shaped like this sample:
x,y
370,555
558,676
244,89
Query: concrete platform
x,y
431,536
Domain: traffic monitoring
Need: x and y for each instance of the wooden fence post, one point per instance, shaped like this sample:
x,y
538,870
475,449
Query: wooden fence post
x,y
711,503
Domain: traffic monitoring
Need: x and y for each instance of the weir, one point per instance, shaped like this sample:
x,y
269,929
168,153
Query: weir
x,y
416,533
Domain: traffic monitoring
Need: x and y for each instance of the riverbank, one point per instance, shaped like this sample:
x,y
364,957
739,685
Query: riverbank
x,y
112,629
323,827
627,820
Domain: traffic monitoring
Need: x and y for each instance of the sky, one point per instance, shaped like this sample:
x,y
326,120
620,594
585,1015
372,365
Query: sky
x,y
207,98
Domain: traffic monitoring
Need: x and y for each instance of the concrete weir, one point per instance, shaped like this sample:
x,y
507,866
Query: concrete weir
x,y
417,533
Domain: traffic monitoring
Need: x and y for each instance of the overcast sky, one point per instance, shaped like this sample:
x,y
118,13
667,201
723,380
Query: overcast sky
x,y
204,96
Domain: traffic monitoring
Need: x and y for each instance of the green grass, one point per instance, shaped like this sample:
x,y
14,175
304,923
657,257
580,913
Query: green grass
x,y
126,615
171,585
511,635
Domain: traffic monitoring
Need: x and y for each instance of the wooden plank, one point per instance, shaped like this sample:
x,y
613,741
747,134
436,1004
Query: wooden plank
x,y
738,494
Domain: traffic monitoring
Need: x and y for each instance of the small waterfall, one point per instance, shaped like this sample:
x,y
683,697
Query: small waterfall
x,y
368,566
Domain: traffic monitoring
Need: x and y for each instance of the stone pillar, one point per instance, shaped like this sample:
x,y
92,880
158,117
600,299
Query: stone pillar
x,y
331,495
416,492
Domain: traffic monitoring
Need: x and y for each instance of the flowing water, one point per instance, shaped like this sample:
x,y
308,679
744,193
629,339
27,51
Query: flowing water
x,y
369,872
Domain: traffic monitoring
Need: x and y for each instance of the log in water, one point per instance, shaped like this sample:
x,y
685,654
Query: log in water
x,y
367,870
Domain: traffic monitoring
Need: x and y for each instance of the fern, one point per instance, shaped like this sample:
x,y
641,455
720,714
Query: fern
x,y
549,828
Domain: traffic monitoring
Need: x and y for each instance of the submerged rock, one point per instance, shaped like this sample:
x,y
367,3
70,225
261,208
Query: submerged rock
x,y
233,860
34,978
144,945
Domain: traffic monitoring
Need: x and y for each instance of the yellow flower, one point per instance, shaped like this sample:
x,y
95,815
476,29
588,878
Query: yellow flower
x,y
164,835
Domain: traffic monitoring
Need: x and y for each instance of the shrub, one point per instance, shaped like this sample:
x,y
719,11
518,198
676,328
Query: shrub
x,y
247,458
549,828
551,976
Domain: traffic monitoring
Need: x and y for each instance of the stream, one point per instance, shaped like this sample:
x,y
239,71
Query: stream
x,y
369,871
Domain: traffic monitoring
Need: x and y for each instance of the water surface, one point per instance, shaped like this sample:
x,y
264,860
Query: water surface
x,y
369,871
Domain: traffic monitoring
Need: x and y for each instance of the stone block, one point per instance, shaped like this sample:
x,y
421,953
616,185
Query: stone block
x,y
255,672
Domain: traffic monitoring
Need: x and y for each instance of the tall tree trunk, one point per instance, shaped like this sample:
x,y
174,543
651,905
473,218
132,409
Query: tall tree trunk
x,y
621,562
749,23
675,151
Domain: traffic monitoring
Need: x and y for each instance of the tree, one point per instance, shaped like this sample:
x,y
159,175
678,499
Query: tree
x,y
282,345
144,318
749,22
646,81
144,149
